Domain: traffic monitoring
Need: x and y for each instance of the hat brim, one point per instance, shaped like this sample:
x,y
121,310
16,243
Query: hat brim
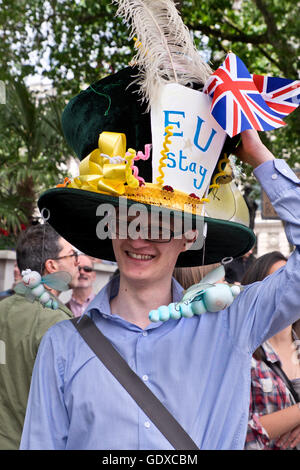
x,y
72,213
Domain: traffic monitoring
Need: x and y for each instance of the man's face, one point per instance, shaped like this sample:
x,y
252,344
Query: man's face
x,y
143,260
67,262
87,275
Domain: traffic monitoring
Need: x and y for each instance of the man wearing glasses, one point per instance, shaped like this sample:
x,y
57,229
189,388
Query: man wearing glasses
x,y
198,367
23,323
82,293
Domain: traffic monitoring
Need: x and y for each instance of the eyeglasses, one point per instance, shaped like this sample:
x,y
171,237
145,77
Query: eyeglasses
x,y
75,254
157,234
86,269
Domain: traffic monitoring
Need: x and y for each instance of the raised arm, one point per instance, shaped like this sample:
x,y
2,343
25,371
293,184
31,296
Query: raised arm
x,y
251,149
268,306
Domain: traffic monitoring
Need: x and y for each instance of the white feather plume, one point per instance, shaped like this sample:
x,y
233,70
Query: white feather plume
x,y
165,52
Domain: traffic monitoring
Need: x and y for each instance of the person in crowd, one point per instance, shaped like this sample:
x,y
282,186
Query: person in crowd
x,y
235,270
82,293
23,324
17,278
274,418
6,293
17,274
193,275
199,366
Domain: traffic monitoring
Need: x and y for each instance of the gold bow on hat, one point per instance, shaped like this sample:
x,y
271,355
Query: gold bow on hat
x,y
107,168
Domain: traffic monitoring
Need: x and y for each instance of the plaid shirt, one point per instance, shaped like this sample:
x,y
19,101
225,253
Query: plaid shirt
x,y
268,394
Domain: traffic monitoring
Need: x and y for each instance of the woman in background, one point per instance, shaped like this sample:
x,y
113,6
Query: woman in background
x,y
274,417
193,275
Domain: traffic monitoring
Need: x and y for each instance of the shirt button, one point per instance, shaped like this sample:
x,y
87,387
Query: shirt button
x,y
145,378
145,333
274,176
147,424
104,316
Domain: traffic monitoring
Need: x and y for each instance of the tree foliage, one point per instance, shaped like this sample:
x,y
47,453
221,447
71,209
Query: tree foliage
x,y
32,153
75,42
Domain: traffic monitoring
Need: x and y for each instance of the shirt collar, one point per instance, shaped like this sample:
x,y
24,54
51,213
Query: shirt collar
x,y
270,353
101,302
87,300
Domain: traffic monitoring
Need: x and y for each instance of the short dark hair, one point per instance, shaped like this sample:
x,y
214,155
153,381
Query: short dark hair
x,y
261,267
35,245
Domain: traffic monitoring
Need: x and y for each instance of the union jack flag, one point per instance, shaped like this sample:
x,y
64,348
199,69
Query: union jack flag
x,y
243,101
281,94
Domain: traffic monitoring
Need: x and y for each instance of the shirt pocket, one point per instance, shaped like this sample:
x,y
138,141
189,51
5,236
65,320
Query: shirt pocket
x,y
267,385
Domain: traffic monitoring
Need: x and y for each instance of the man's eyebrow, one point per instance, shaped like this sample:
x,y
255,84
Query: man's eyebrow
x,y
70,252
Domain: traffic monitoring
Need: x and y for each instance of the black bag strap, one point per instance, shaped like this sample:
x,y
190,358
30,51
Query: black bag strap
x,y
143,396
275,366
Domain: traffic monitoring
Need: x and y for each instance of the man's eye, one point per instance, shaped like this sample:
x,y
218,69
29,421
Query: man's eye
x,y
160,232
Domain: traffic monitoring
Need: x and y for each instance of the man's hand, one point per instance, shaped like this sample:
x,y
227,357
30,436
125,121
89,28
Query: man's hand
x,y
251,149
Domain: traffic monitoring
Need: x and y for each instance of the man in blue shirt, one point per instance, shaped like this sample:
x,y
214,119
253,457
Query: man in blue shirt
x,y
198,367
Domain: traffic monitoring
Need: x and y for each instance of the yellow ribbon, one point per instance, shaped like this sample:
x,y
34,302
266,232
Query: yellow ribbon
x,y
164,153
97,172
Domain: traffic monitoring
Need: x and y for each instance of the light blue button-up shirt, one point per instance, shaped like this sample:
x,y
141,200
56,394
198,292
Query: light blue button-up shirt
x,y
198,367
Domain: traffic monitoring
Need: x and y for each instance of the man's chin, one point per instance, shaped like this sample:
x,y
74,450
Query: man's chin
x,y
72,285
141,275
82,285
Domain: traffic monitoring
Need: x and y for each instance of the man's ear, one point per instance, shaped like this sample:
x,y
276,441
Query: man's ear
x,y
51,266
189,238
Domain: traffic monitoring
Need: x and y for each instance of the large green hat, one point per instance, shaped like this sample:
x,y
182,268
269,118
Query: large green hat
x,y
104,121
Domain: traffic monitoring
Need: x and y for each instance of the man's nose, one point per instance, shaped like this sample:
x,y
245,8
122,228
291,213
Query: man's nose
x,y
139,242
